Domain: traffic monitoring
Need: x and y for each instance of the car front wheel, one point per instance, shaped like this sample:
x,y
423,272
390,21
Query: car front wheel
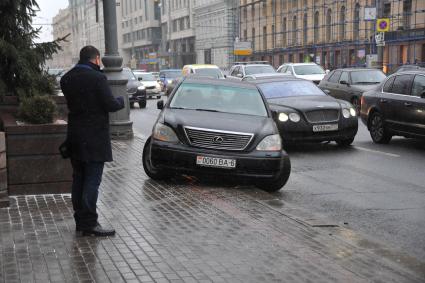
x,y
142,103
377,129
150,170
279,181
345,142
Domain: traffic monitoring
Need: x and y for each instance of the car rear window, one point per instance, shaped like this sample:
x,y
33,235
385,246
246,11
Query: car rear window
x,y
289,88
252,70
220,98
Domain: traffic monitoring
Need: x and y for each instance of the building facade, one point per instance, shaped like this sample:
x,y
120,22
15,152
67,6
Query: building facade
x,y
140,33
215,31
62,27
177,33
331,33
86,26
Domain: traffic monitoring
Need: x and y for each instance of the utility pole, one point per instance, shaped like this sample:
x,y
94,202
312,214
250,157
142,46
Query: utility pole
x,y
120,125
380,48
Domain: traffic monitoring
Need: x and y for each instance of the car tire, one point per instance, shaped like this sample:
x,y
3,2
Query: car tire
x,y
345,142
131,105
150,170
276,183
377,130
142,104
356,104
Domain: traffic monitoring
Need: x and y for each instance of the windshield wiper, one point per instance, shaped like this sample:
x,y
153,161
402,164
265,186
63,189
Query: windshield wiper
x,y
209,110
180,108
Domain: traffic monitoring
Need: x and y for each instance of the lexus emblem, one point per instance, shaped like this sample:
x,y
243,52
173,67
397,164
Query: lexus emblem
x,y
217,140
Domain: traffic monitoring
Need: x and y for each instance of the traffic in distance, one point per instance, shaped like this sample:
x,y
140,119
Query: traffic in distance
x,y
239,123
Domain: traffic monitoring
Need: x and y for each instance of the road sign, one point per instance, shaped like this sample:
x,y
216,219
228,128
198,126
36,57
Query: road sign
x,y
370,13
383,25
243,48
380,39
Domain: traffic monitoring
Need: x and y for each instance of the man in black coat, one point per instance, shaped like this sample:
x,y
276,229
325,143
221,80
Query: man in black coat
x,y
89,101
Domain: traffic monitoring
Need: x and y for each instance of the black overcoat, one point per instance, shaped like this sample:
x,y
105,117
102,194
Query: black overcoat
x,y
89,101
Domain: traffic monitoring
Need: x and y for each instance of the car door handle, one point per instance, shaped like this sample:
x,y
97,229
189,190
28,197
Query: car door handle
x,y
407,104
384,100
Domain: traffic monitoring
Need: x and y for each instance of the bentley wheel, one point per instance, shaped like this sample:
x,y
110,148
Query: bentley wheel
x,y
377,129
275,184
345,142
142,104
150,170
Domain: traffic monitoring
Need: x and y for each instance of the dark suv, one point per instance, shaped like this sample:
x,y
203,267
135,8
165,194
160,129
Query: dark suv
x,y
135,90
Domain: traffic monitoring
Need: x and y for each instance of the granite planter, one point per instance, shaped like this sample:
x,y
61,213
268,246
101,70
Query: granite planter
x,y
33,160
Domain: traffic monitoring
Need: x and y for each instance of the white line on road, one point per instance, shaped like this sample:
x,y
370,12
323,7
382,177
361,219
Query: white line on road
x,y
377,151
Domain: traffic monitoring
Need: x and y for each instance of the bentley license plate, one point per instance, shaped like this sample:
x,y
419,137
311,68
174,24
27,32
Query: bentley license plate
x,y
215,162
325,128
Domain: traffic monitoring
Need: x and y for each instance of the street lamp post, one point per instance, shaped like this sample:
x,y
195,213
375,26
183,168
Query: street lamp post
x,y
120,125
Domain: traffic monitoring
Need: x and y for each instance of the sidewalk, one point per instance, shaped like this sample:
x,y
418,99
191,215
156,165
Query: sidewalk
x,y
183,232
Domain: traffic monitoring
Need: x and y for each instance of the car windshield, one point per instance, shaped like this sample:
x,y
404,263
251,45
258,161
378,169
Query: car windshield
x,y
309,70
129,74
367,77
170,74
252,70
289,88
146,77
219,98
210,72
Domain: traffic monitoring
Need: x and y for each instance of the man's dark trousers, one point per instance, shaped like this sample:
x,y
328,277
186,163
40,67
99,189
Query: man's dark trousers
x,y
85,189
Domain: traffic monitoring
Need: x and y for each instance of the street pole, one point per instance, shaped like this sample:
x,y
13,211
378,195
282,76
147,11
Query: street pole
x,y
380,49
120,125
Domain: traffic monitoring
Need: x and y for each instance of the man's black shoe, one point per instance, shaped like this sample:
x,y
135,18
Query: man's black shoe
x,y
98,231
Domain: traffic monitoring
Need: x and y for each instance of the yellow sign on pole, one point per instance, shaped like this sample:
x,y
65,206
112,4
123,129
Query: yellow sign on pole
x,y
383,25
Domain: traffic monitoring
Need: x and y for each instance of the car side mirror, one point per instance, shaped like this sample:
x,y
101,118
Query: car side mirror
x,y
344,83
160,104
225,76
239,75
327,91
327,72
423,94
140,78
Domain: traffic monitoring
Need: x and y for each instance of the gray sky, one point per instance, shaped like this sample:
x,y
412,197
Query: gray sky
x,y
48,9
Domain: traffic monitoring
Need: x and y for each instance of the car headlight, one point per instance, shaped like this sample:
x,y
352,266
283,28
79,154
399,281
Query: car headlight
x,y
294,117
283,117
141,87
353,112
270,143
162,132
346,113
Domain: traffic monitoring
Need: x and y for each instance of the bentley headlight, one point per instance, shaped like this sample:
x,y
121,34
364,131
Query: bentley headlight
x,y
346,113
162,132
270,143
283,117
294,117
141,87
353,112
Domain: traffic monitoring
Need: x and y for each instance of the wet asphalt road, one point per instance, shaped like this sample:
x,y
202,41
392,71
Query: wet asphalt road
x,y
377,190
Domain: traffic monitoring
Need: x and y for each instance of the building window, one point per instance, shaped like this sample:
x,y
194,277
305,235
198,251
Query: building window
x,y
157,10
253,38
294,30
328,25
316,27
264,38
305,28
356,25
284,30
264,8
342,23
273,36
387,10
407,13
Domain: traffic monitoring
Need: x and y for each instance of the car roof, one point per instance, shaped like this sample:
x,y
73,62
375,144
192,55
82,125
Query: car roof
x,y
299,64
269,75
410,72
171,70
206,80
276,79
201,66
252,65
357,69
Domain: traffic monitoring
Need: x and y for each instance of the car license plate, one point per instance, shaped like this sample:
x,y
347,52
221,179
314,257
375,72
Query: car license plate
x,y
215,162
325,128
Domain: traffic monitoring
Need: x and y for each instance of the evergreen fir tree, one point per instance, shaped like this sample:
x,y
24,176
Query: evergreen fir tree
x,y
22,60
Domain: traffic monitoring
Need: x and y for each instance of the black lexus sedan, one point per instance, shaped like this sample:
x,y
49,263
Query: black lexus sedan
x,y
217,127
396,107
135,90
304,113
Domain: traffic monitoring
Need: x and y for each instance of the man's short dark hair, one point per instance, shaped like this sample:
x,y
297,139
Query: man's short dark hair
x,y
88,53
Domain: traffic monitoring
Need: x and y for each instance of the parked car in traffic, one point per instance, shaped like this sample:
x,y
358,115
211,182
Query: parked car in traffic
x,y
396,107
168,79
308,71
135,90
150,83
349,84
205,70
217,127
242,69
304,113
416,67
